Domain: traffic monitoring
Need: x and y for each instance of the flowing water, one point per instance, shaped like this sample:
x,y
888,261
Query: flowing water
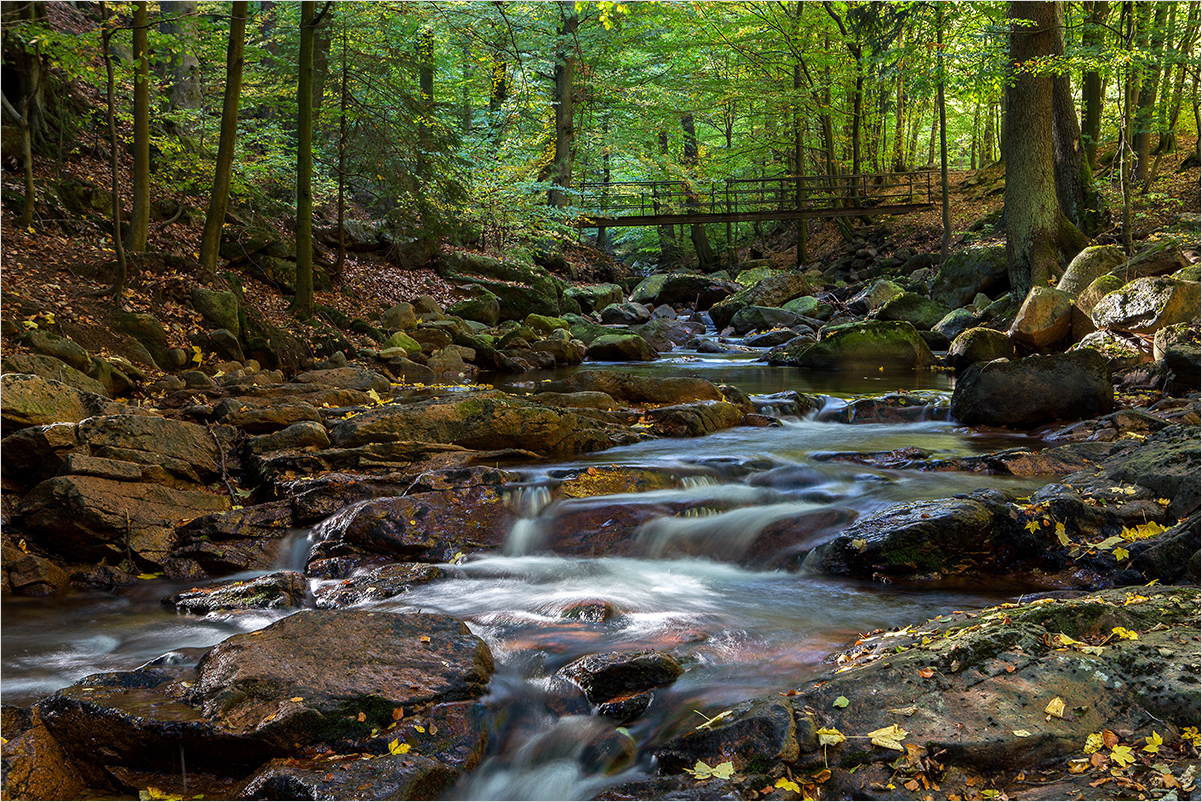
x,y
684,585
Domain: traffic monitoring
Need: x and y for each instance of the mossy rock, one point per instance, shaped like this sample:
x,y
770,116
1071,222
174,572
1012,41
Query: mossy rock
x,y
858,346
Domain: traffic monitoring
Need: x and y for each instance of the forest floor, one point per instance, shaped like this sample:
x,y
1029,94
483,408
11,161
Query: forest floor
x,y
47,271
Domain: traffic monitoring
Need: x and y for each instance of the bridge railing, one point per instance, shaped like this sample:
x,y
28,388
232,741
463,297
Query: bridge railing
x,y
783,193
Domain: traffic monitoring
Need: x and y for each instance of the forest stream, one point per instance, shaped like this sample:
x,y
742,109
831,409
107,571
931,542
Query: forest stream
x,y
739,631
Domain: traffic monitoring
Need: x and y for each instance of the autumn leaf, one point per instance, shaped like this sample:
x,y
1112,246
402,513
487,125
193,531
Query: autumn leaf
x,y
788,785
1125,634
1055,708
1121,553
1192,735
361,717
297,699
859,544
397,748
1154,742
1061,535
841,702
926,673
703,771
889,737
1121,755
1033,526
1022,733
829,736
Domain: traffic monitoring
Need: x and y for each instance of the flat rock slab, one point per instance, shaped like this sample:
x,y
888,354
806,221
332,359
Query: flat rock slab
x,y
281,590
324,673
376,777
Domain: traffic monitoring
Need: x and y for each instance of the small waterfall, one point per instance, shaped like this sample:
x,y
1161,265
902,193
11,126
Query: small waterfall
x,y
528,501
709,533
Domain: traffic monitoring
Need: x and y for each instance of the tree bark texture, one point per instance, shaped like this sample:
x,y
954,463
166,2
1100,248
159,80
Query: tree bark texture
x,y
565,128
302,303
139,219
1096,12
210,241
183,67
1149,84
706,259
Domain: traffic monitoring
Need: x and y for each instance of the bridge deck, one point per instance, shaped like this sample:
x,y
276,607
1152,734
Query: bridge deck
x,y
651,203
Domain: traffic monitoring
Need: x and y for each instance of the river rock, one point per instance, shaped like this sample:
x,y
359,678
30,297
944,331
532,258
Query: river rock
x,y
278,591
89,518
625,314
1178,347
36,767
384,776
918,310
766,339
1158,259
483,422
595,297
695,420
756,736
773,291
683,289
872,298
53,369
635,389
376,584
309,676
65,350
29,400
484,307
663,333
1122,353
188,450
1087,266
979,345
238,540
620,348
1037,389
566,352
970,271
306,434
605,676
1045,318
268,419
810,307
426,525
1146,305
859,346
760,318
399,318
347,378
399,339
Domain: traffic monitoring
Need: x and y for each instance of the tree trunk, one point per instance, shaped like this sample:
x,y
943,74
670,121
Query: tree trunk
x,y
302,302
798,166
425,83
706,260
465,98
1073,177
24,70
122,271
343,102
1149,82
946,241
669,249
210,241
1184,55
322,38
1092,32
565,129
1035,227
183,67
139,222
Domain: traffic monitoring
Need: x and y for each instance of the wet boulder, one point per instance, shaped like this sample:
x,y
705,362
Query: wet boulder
x,y
756,736
683,289
774,291
664,333
761,318
1044,319
625,314
613,676
281,590
1146,305
635,389
384,776
1035,390
36,767
875,296
376,584
979,344
621,348
859,346
324,673
595,297
695,420
236,540
90,518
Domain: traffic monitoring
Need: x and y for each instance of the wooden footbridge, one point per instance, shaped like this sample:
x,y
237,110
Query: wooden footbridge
x,y
736,200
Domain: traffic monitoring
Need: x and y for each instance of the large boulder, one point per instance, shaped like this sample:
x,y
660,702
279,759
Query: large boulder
x,y
967,272
873,297
776,290
625,314
1121,352
54,369
621,348
147,330
219,309
520,289
619,682
480,422
277,591
683,289
65,350
29,400
1028,392
918,310
635,389
324,673
1178,347
484,307
1146,305
1158,259
187,450
761,318
346,379
1088,266
595,297
858,346
94,518
386,776
1045,318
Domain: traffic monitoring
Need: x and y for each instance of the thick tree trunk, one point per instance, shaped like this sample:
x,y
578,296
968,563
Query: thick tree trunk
x,y
1037,232
122,271
1146,106
182,69
1184,56
322,38
302,302
565,128
1092,31
1078,199
425,84
139,221
706,260
669,249
210,241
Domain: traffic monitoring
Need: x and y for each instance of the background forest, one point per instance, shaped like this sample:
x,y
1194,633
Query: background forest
x,y
475,122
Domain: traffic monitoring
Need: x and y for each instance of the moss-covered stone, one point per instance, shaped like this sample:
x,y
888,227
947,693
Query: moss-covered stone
x,y
858,346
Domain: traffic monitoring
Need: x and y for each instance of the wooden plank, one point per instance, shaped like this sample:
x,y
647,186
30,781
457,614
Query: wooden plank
x,y
744,217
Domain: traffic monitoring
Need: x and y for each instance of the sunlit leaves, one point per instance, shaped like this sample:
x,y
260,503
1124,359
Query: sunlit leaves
x,y
1093,743
1122,756
704,771
1153,743
1055,707
841,701
890,737
828,736
398,747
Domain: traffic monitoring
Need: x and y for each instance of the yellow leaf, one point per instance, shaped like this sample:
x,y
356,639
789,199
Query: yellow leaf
x,y
829,736
1154,741
788,785
1061,535
375,397
398,748
710,722
1122,756
424,639
842,701
1192,735
1121,553
1033,526
149,576
889,737
859,544
1055,707
1125,634
724,771
1022,733
297,699
419,728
